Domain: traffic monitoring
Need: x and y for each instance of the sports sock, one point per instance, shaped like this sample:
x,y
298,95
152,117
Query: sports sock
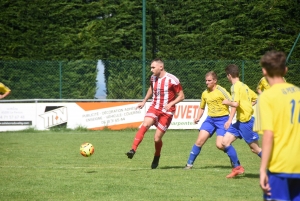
x,y
230,151
259,154
139,137
193,154
158,146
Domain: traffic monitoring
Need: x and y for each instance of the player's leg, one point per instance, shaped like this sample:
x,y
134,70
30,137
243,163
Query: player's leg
x,y
231,135
219,140
196,149
157,145
228,148
250,137
205,131
149,120
220,130
163,123
255,148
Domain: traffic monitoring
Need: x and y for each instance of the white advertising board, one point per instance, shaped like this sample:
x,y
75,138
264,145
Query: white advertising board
x,y
91,115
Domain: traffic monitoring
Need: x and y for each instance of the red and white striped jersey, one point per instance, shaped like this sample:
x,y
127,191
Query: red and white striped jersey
x,y
164,91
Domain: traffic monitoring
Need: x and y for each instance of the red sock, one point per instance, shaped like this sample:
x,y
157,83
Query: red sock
x,y
139,137
158,146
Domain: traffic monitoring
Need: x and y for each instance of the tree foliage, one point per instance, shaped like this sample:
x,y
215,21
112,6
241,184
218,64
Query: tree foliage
x,y
182,29
111,30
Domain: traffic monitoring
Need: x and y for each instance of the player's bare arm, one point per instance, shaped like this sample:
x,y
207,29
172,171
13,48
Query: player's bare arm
x,y
200,113
230,103
267,145
231,115
259,91
180,97
148,95
4,95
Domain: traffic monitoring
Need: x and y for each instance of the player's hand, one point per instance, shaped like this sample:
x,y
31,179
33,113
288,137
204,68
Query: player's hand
x,y
140,105
264,183
227,124
196,120
167,107
1,96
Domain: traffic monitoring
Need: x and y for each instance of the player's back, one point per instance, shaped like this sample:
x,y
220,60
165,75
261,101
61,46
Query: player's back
x,y
281,107
242,94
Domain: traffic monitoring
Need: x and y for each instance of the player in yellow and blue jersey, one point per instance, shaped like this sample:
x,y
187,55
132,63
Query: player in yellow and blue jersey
x,y
243,98
218,114
262,85
4,90
278,119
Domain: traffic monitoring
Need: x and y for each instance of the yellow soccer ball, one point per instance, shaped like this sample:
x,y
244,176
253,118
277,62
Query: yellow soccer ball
x,y
87,149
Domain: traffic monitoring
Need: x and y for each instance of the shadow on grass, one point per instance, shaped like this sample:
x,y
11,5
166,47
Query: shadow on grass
x,y
197,168
215,166
251,175
171,167
90,172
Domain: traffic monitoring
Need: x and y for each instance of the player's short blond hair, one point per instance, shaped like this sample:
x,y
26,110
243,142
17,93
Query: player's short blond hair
x,y
213,74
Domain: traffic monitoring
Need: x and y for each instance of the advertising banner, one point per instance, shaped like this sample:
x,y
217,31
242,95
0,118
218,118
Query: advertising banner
x,y
90,115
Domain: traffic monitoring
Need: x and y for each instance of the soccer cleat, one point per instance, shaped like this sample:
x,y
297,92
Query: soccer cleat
x,y
130,154
155,162
188,167
236,171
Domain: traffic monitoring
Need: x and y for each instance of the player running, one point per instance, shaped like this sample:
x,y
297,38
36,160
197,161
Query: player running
x,y
166,91
243,98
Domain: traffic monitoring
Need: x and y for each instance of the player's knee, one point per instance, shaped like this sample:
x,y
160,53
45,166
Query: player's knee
x,y
147,125
225,144
199,142
220,146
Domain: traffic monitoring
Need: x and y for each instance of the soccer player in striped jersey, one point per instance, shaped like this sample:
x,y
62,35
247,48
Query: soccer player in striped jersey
x,y
278,119
218,115
166,91
243,98
4,90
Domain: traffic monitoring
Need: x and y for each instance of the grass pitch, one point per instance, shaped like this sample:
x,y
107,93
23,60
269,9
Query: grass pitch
x,y
47,165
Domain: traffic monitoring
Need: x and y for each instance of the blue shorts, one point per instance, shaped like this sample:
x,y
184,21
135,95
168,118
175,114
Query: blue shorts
x,y
215,124
283,188
244,130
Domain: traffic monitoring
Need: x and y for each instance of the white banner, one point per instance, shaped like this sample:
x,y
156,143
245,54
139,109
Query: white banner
x,y
91,115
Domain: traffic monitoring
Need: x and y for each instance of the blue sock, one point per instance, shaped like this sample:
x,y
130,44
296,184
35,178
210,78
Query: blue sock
x,y
259,154
193,154
230,151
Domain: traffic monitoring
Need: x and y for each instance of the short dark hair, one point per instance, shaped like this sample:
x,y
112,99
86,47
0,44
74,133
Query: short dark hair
x,y
274,63
157,60
232,70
